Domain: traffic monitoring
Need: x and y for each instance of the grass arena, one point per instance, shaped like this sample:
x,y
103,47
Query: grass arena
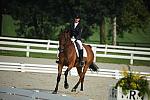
x,y
95,88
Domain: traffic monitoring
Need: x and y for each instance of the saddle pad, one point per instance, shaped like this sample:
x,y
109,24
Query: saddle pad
x,y
84,50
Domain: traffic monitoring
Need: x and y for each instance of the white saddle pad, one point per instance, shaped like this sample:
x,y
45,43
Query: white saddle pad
x,y
84,50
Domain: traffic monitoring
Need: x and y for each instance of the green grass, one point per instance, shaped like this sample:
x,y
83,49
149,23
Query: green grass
x,y
42,55
122,61
15,46
12,53
23,54
134,37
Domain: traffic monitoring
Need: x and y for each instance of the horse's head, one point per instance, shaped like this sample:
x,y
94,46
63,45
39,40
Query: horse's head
x,y
64,39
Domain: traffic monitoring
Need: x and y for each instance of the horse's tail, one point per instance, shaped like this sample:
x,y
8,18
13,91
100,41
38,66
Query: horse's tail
x,y
94,67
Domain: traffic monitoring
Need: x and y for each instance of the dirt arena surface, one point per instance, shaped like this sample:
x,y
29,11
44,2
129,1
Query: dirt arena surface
x,y
95,88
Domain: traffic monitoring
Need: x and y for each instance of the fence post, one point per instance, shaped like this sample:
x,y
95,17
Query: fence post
x,y
117,74
28,51
94,51
131,60
48,43
22,67
105,49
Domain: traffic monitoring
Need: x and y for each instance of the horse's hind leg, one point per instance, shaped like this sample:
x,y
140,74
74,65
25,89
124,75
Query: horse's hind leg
x,y
66,85
82,75
82,81
79,69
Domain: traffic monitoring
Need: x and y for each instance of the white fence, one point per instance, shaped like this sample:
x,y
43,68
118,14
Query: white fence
x,y
26,45
109,51
22,67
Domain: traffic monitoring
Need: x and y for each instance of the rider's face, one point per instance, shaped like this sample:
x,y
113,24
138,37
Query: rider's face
x,y
77,20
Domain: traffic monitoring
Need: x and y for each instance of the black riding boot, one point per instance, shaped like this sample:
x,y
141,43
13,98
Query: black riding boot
x,y
81,62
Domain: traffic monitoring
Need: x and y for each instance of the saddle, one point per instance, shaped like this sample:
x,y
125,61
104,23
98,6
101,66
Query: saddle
x,y
77,48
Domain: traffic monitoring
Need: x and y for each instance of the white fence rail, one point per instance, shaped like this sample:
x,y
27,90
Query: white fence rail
x,y
109,51
22,67
122,52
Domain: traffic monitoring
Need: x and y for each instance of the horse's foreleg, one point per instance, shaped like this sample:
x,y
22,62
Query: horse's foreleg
x,y
66,85
58,79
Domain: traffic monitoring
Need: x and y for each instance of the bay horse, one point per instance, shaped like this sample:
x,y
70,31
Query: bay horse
x,y
68,57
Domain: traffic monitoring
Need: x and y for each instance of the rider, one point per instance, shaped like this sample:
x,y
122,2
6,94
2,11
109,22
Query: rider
x,y
76,31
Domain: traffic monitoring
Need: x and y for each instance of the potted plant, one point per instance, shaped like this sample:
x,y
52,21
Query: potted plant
x,y
133,82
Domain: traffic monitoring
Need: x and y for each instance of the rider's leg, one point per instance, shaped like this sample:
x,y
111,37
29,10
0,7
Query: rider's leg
x,y
81,62
80,44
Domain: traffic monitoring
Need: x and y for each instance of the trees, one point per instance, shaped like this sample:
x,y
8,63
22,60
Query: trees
x,y
125,15
99,10
3,10
96,11
134,14
30,18
39,18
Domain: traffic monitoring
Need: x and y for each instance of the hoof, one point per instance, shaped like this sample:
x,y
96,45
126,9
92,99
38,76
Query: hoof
x,y
54,92
73,90
57,62
66,86
81,89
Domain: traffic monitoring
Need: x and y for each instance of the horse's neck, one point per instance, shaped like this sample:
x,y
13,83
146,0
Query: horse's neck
x,y
69,45
69,42
69,49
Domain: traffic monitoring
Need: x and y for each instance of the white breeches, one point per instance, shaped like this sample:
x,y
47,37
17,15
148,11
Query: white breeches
x,y
78,41
80,44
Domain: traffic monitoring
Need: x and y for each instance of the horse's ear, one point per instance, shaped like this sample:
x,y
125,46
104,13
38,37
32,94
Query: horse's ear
x,y
67,30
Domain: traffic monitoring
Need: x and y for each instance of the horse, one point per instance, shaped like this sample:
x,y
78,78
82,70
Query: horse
x,y
68,57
